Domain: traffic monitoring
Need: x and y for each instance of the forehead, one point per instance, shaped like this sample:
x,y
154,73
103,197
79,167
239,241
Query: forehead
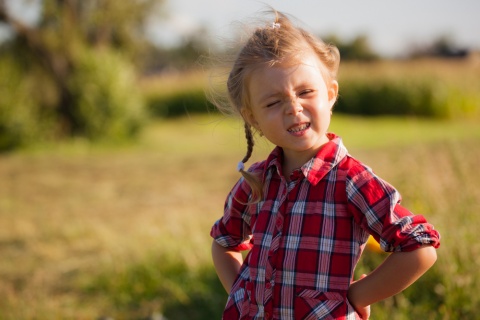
x,y
266,77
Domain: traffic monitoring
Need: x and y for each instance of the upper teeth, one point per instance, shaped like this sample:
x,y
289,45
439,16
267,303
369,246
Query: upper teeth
x,y
299,128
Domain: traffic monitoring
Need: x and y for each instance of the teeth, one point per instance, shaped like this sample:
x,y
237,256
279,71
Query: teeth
x,y
299,128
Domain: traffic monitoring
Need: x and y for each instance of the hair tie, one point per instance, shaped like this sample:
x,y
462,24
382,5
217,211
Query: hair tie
x,y
276,25
240,166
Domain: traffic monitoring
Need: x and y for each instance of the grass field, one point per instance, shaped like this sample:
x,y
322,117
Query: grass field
x,y
97,232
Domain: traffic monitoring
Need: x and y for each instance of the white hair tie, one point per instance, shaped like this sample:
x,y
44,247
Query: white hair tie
x,y
276,25
240,166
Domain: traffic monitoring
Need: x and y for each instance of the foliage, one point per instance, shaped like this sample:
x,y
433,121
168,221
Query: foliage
x,y
59,52
19,112
394,97
443,46
186,55
358,49
430,88
176,94
179,104
105,100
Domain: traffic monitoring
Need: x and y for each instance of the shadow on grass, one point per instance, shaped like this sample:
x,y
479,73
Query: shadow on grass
x,y
159,287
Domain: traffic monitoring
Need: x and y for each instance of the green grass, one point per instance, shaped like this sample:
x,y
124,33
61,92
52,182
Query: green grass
x,y
92,231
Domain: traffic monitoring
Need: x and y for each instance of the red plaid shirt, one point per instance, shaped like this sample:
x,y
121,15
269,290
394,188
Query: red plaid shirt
x,y
307,235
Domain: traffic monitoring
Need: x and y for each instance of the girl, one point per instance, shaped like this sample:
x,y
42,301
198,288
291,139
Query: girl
x,y
305,213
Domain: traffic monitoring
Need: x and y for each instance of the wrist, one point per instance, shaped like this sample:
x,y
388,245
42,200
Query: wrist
x,y
351,296
354,295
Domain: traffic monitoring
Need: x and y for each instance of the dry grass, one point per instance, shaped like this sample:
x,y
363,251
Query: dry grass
x,y
76,220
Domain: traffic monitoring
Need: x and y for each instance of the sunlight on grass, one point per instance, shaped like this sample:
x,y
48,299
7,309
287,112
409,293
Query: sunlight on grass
x,y
93,231
223,134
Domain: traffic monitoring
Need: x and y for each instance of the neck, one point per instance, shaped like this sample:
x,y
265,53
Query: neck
x,y
293,162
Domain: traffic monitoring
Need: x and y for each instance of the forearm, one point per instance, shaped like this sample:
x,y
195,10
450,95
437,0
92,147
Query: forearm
x,y
395,274
227,264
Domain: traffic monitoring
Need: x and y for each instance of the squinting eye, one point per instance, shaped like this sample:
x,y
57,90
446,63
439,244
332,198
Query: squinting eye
x,y
272,104
305,92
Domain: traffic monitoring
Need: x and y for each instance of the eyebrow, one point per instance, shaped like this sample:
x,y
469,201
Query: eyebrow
x,y
269,96
279,94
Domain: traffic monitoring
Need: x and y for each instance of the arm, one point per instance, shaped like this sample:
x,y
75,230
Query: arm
x,y
227,263
395,274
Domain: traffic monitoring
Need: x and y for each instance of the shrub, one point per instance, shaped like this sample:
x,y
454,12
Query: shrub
x,y
179,103
417,97
108,104
427,88
21,119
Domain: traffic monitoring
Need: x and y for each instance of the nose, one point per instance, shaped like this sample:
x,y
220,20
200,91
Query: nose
x,y
294,106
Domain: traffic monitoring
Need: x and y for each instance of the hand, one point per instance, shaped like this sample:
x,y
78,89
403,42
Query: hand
x,y
363,312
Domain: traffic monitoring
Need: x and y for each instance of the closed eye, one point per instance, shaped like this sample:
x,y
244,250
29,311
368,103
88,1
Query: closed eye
x,y
271,104
305,92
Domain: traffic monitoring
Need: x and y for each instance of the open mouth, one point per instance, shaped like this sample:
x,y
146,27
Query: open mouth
x,y
299,128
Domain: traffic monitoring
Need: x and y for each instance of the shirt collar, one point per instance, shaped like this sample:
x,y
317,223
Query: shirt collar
x,y
317,167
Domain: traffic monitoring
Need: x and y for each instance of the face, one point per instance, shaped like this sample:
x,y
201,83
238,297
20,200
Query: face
x,y
291,106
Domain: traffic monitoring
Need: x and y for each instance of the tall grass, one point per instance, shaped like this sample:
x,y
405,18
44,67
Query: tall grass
x,y
437,180
89,232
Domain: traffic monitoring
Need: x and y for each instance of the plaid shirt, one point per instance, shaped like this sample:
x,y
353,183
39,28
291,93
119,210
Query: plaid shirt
x,y
306,236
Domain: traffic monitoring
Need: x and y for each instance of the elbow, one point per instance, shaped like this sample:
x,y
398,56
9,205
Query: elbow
x,y
428,257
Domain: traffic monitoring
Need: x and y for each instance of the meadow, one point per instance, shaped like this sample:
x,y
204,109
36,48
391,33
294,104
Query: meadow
x,y
92,231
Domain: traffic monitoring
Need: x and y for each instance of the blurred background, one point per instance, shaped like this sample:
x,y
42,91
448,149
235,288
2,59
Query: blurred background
x,y
114,164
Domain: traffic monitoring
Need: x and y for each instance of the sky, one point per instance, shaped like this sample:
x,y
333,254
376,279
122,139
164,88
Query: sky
x,y
391,26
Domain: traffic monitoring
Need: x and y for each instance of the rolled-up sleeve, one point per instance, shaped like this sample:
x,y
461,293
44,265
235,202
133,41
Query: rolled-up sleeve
x,y
375,205
233,229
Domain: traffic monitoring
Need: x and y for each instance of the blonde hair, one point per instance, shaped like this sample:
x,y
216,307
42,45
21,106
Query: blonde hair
x,y
279,41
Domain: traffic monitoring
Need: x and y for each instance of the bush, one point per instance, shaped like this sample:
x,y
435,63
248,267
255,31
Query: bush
x,y
179,103
22,121
108,104
426,88
390,98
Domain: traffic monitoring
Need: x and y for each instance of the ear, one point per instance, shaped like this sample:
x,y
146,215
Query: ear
x,y
249,117
332,93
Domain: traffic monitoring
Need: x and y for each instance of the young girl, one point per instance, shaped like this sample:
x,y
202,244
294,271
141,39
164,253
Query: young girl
x,y
305,213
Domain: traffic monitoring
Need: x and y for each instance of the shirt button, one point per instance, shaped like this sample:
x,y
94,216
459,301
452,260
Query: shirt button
x,y
267,315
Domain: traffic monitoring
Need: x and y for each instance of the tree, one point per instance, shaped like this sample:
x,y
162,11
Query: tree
x,y
442,47
357,49
69,34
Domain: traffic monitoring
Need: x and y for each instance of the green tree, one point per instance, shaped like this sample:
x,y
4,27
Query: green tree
x,y
357,49
73,56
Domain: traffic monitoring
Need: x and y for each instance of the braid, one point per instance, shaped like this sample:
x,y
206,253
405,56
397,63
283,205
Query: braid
x,y
253,179
250,142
